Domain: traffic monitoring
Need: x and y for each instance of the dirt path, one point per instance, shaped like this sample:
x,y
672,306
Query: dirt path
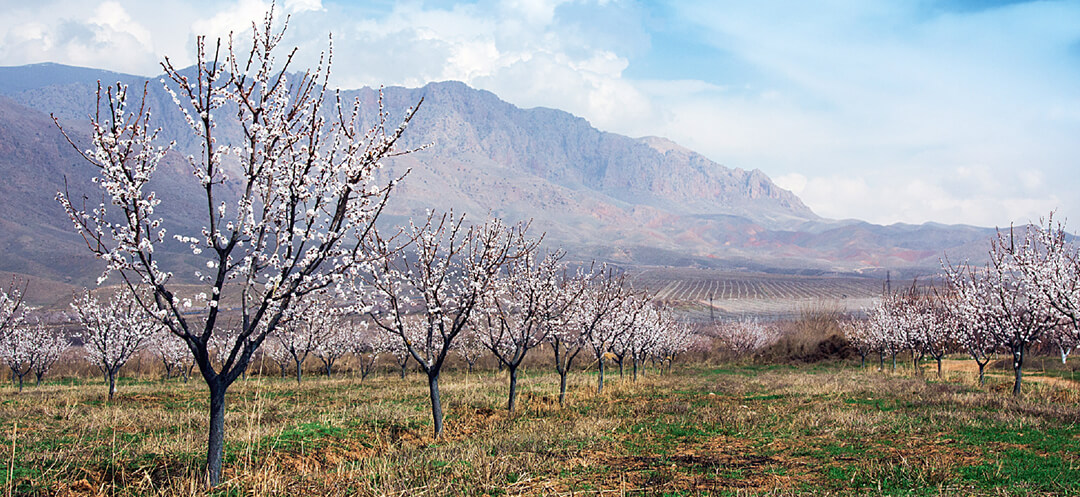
x,y
969,367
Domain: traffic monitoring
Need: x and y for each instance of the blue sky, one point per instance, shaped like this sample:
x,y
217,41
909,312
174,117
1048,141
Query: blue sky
x,y
907,111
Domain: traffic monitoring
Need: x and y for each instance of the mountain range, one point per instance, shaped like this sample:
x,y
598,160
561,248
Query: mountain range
x,y
634,201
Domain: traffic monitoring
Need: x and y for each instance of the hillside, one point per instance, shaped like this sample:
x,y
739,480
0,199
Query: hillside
x,y
637,201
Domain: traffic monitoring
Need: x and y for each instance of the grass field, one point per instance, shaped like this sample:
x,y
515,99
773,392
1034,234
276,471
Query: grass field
x,y
701,430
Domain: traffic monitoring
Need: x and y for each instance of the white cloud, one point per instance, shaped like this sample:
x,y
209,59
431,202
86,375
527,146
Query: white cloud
x,y
888,111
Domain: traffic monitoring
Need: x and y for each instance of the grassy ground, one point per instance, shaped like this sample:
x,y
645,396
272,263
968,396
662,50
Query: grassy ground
x,y
733,430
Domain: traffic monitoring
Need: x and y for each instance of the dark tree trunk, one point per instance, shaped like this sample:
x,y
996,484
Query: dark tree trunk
x,y
862,360
600,377
403,366
562,386
633,361
982,370
938,366
893,368
299,371
216,438
881,361
1018,368
112,383
620,362
39,375
436,402
513,389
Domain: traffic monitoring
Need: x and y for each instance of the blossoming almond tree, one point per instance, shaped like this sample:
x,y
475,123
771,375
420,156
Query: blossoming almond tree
x,y
17,349
287,201
443,282
339,339
173,353
305,328
49,345
565,333
114,330
366,343
597,315
746,335
971,331
1005,303
516,311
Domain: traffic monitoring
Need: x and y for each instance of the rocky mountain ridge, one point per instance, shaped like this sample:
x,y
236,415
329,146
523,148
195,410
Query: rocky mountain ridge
x,y
636,201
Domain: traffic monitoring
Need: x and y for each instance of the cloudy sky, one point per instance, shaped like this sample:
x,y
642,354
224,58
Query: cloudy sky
x,y
952,111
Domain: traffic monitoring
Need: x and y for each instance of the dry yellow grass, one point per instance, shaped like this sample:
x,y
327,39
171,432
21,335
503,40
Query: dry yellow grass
x,y
732,430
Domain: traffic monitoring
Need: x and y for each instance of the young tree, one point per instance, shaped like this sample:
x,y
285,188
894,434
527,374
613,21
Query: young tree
x,y
516,311
367,343
393,344
1064,338
273,350
288,198
1005,302
971,330
645,340
747,335
173,353
678,337
565,330
114,330
859,335
304,329
17,350
444,281
337,339
470,348
49,346
597,315
942,327
626,326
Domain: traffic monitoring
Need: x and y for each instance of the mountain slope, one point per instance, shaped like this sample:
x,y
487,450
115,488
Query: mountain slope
x,y
600,195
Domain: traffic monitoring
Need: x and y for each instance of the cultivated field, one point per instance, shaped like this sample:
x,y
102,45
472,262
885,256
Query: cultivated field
x,y
700,430
734,294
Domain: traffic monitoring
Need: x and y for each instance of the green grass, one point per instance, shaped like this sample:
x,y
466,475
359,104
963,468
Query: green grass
x,y
717,430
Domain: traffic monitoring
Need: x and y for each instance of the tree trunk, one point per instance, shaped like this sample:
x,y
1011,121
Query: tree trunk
x,y
633,361
982,369
620,361
562,386
938,366
1018,368
21,385
329,368
893,368
436,403
39,375
112,383
403,366
513,389
600,377
299,371
862,360
881,361
216,439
